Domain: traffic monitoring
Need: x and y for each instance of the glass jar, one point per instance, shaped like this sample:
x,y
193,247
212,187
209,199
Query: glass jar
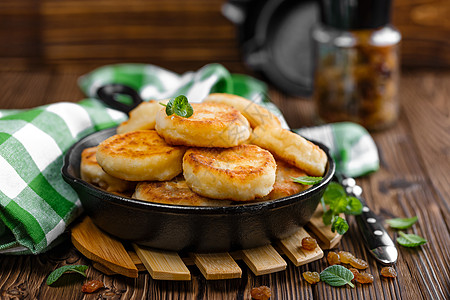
x,y
356,75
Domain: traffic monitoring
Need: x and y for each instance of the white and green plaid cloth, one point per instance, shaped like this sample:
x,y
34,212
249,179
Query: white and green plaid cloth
x,y
36,205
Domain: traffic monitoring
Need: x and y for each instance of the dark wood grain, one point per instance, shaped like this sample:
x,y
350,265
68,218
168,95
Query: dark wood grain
x,y
413,180
171,33
47,44
425,28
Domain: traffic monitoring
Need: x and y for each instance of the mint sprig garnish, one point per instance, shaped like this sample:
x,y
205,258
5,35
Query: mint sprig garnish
x,y
56,274
337,201
339,224
179,106
402,223
307,180
337,275
406,239
410,240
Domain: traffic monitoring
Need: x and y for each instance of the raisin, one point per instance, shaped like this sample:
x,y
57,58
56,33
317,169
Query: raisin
x,y
311,277
333,258
261,293
364,277
359,263
345,257
388,272
355,273
92,286
309,243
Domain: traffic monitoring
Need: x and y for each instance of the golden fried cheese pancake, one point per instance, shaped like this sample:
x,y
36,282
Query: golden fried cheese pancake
x,y
173,192
140,155
284,185
211,125
241,173
92,172
141,117
292,148
255,114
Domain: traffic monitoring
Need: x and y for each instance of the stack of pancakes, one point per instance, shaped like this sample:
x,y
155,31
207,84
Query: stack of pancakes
x,y
230,149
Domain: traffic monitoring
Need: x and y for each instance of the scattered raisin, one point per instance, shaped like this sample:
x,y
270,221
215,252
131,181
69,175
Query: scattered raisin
x,y
359,263
345,257
364,277
311,277
333,258
355,273
261,293
388,272
309,243
92,286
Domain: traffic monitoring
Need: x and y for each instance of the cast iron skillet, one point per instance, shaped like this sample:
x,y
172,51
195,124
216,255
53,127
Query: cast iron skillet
x,y
188,228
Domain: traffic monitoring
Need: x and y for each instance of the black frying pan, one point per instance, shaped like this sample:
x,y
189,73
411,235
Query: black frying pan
x,y
189,228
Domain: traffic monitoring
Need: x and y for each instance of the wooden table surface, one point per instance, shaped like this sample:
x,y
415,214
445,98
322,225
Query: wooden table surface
x,y
414,179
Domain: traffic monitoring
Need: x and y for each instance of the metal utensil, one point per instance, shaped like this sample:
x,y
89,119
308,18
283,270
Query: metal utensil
x,y
376,238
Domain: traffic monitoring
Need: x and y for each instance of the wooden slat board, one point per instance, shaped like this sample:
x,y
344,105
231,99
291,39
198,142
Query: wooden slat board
x,y
328,239
217,266
100,247
292,247
137,261
103,269
163,265
263,260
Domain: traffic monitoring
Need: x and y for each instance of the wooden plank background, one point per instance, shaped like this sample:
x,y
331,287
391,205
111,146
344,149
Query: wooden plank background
x,y
84,34
413,180
47,44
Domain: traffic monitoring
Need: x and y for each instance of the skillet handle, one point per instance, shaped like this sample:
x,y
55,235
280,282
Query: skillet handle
x,y
108,94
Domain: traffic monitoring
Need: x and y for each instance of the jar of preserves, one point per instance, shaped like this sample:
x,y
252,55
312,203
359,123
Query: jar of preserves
x,y
357,63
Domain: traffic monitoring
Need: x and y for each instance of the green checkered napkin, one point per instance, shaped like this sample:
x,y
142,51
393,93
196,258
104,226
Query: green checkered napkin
x,y
350,145
36,205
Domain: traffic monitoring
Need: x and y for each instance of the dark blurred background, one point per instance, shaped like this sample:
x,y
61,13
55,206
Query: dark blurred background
x,y
179,35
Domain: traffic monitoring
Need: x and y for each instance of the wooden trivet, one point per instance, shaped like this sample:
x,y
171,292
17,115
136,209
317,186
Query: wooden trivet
x,y
110,257
328,239
102,248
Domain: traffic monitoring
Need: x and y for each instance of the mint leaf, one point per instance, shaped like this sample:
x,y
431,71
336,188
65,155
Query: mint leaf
x,y
338,202
182,107
56,274
179,106
307,180
334,191
337,275
339,205
410,240
346,204
354,206
169,107
327,217
340,225
402,223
